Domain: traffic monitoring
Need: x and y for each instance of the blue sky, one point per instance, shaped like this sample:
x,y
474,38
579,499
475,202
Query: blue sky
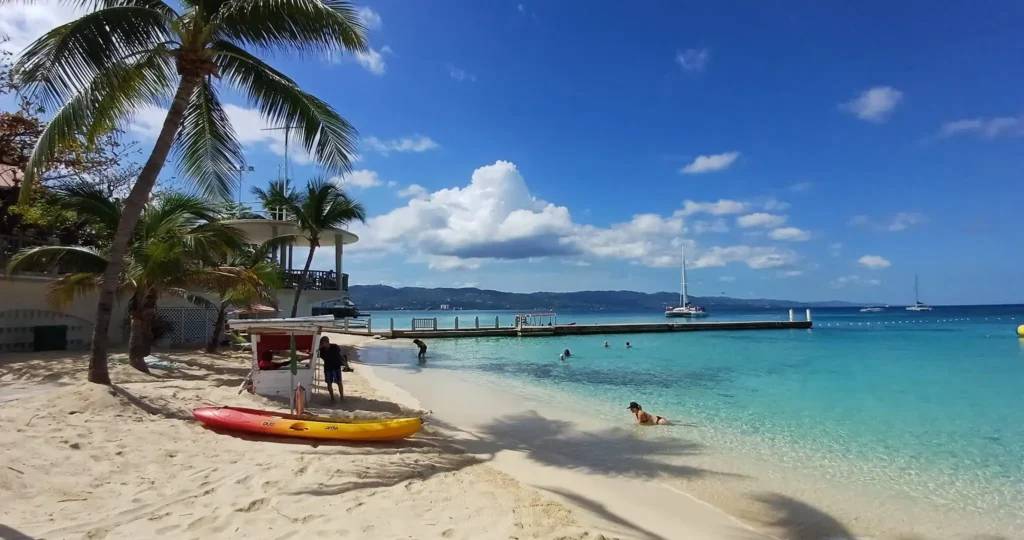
x,y
827,150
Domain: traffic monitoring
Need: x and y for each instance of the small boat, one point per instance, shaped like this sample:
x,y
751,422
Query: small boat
x,y
918,304
685,309
871,309
307,427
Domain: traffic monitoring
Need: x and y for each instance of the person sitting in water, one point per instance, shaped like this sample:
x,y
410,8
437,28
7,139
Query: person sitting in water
x,y
645,418
423,349
628,346
267,363
567,353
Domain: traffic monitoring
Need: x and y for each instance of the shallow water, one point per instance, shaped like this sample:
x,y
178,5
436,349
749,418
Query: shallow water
x,y
925,406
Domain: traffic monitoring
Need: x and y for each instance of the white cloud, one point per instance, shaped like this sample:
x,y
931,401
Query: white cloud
x,y
414,191
791,273
716,226
24,23
709,163
250,129
372,61
720,207
727,279
387,49
772,204
361,179
754,257
898,222
989,128
874,262
759,219
790,234
392,183
874,104
415,143
496,218
460,74
371,19
843,281
521,8
693,60
835,249
801,187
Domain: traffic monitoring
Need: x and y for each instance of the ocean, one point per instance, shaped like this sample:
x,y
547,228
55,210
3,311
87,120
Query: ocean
x,y
922,406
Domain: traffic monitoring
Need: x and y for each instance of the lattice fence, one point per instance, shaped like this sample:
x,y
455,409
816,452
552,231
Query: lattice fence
x,y
188,326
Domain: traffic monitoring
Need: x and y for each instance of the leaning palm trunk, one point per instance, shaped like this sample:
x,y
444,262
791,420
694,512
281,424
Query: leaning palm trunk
x,y
218,329
137,346
98,371
302,278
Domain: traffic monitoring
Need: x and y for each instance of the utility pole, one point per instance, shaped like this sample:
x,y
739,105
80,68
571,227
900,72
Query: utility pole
x,y
287,132
242,169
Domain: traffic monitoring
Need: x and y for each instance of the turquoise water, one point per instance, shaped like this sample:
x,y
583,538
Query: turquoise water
x,y
923,405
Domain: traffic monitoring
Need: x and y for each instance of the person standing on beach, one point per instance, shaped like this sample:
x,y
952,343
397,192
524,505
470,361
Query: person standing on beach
x,y
330,355
423,349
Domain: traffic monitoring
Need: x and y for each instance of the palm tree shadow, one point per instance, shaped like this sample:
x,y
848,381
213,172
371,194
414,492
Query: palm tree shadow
x,y
602,511
797,520
8,533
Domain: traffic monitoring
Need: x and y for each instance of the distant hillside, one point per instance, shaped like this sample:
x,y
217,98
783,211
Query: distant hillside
x,y
382,297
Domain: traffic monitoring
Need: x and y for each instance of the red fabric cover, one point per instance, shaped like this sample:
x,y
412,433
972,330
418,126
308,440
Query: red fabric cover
x,y
283,342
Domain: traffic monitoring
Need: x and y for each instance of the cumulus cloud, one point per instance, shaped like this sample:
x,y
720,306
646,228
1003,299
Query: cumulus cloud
x,y
759,219
790,234
371,19
460,74
361,179
874,104
874,262
414,191
693,61
415,143
716,226
720,207
709,163
496,218
844,281
24,23
372,61
989,128
898,222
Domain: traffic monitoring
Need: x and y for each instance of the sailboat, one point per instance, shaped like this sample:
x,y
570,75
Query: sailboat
x,y
918,304
685,309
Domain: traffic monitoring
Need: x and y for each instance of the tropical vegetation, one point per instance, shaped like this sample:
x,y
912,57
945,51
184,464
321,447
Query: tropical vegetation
x,y
320,207
95,72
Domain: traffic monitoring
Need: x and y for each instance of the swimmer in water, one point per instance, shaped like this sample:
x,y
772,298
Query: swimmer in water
x,y
628,346
567,354
605,344
645,418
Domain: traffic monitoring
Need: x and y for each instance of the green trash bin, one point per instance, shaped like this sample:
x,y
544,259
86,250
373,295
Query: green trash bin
x,y
50,338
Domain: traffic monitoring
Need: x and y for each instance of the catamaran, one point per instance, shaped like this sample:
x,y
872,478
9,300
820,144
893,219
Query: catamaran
x,y
918,304
685,309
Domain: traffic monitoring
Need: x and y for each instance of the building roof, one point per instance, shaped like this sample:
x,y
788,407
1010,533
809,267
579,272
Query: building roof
x,y
259,231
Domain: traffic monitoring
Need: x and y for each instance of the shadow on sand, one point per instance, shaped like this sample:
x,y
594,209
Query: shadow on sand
x,y
7,533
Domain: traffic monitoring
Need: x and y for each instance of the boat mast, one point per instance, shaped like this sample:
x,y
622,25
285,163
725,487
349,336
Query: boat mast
x,y
683,299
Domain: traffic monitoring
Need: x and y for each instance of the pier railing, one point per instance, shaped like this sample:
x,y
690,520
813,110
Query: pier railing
x,y
316,280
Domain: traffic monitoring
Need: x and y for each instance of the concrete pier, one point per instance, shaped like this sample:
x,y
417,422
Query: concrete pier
x,y
590,329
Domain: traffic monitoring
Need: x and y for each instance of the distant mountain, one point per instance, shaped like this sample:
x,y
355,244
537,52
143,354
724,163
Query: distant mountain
x,y
383,297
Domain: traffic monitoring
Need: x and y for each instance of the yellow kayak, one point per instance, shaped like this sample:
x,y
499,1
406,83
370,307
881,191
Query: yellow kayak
x,y
306,427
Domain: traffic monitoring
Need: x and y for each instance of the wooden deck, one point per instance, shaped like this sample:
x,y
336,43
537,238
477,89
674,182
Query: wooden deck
x,y
586,329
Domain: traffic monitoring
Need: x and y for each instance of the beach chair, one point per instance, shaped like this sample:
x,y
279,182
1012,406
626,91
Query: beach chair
x,y
239,342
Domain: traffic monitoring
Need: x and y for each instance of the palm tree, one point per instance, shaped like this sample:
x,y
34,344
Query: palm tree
x,y
169,250
241,294
323,206
96,71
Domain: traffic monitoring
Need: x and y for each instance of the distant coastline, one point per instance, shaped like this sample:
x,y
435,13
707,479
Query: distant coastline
x,y
386,298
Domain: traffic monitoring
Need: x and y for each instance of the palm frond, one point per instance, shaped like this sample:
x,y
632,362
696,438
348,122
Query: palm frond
x,y
207,147
322,131
91,205
92,5
66,289
192,298
303,26
66,60
43,258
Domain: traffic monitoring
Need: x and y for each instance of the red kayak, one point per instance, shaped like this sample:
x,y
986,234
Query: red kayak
x,y
308,427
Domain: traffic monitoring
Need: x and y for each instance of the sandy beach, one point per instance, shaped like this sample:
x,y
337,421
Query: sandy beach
x,y
86,461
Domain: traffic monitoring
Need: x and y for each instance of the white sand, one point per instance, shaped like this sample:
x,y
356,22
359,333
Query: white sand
x,y
85,461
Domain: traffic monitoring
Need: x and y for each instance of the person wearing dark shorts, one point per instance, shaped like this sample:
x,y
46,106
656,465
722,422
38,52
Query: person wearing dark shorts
x,y
330,355
423,349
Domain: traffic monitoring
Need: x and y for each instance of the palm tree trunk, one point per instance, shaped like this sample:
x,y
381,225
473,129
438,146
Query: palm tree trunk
x,y
218,329
133,205
137,341
148,316
302,278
